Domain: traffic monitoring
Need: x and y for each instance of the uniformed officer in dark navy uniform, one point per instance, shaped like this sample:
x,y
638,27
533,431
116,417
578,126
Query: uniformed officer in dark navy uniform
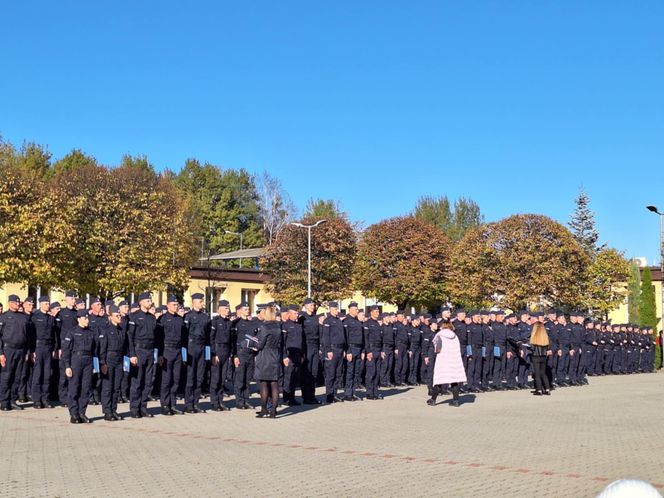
x,y
333,345
389,344
42,350
79,348
197,328
293,343
221,340
414,350
112,348
373,341
244,331
311,365
401,336
97,322
141,335
22,387
354,353
68,322
13,351
171,346
499,350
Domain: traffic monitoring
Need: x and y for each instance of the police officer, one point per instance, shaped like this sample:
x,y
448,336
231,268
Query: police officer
x,y
54,310
354,332
373,341
499,350
487,351
524,327
221,340
401,336
22,387
294,347
112,348
414,350
564,333
171,346
13,351
387,366
333,345
42,350
311,365
68,322
79,347
98,322
575,352
141,335
512,351
244,331
197,327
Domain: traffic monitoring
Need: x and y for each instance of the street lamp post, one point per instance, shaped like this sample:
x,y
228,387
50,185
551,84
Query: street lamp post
x,y
240,234
661,254
308,227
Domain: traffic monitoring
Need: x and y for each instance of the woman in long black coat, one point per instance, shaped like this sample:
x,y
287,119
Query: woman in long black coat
x,y
269,360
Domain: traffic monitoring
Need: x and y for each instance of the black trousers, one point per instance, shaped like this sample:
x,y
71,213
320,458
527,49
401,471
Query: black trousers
x,y
41,373
219,373
79,384
195,373
141,380
243,374
310,371
110,383
292,373
539,372
332,370
8,375
171,368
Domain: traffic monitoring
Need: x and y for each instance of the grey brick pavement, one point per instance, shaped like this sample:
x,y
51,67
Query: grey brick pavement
x,y
497,444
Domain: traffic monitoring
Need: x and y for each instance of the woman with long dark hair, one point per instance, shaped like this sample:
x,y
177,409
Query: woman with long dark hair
x,y
268,361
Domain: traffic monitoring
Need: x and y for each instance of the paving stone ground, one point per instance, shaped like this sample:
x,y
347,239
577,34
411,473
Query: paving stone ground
x,y
572,443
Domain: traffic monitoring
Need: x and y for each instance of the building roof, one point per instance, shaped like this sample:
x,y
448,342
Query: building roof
x,y
254,252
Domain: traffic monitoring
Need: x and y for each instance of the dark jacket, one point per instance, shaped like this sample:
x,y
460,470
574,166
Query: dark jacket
x,y
270,352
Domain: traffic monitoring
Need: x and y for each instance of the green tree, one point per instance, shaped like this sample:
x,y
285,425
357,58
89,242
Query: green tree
x,y
521,260
333,249
222,201
582,224
404,261
73,160
324,209
647,306
603,291
455,223
634,292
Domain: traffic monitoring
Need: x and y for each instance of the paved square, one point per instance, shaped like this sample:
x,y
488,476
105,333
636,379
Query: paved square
x,y
497,444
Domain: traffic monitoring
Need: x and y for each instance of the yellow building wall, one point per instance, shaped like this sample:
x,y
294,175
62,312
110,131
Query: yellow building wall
x,y
621,314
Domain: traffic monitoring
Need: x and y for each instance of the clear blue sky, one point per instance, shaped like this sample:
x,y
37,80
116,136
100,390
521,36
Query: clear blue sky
x,y
374,103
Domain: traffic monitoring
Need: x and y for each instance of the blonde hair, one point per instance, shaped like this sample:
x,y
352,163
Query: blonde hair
x,y
539,336
270,314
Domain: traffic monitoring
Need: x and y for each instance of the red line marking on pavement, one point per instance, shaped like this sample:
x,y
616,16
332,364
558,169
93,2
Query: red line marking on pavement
x,y
575,476
368,453
498,467
389,455
473,465
547,473
349,452
522,471
451,462
600,479
658,485
330,450
409,458
428,460
311,448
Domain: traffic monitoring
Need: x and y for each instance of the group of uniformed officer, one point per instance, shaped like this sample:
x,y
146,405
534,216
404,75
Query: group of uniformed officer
x,y
100,354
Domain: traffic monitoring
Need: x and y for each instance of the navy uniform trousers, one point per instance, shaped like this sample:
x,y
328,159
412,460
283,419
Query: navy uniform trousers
x,y
110,382
8,375
195,373
79,383
41,373
219,373
141,381
171,369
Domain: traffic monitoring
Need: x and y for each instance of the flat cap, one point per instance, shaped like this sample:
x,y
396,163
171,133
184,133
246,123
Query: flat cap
x,y
294,307
224,303
113,309
144,295
29,299
71,293
94,300
197,295
333,304
82,314
14,299
123,303
109,302
171,299
44,299
352,304
54,304
307,301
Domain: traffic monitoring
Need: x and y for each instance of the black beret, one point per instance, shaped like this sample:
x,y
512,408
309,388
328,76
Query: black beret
x,y
70,293
144,295
82,313
44,299
197,295
54,305
223,302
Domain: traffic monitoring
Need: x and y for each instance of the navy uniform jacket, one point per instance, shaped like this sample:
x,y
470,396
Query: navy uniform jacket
x,y
389,333
97,323
487,339
373,335
401,335
512,334
427,341
461,331
414,339
333,334
170,332
141,332
576,337
78,340
68,319
221,333
589,337
475,335
243,328
112,339
354,332
44,328
564,336
499,336
197,326
294,335
310,328
552,331
13,330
